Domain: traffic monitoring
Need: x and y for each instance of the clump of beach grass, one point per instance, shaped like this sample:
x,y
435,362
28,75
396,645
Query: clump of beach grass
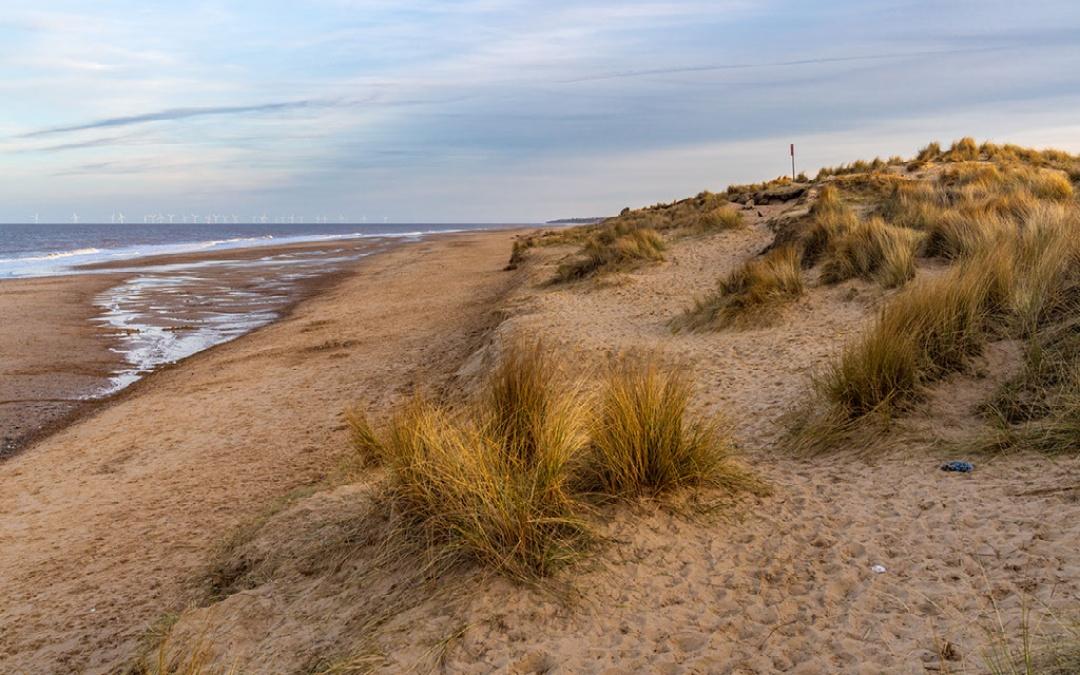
x,y
504,479
613,248
1040,644
644,441
872,250
749,295
925,332
831,219
491,481
1024,284
720,218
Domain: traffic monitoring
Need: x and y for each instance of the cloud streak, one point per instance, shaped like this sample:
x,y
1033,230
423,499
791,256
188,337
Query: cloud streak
x,y
173,114
679,70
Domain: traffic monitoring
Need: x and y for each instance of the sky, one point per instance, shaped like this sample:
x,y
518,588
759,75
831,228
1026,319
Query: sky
x,y
498,110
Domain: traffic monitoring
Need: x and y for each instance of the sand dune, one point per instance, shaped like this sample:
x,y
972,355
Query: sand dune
x,y
124,513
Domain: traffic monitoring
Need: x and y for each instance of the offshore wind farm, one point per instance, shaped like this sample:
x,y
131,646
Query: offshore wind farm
x,y
506,336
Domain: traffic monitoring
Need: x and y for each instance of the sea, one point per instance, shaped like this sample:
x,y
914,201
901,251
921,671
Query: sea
x,y
161,311
34,249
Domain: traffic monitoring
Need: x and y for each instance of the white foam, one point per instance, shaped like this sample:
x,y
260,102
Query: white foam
x,y
51,263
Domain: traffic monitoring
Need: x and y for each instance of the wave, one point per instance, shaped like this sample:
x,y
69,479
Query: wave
x,y
67,262
57,255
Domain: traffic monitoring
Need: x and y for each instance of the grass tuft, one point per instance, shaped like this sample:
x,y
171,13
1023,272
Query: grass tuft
x,y
749,295
831,220
872,250
500,480
615,248
924,333
720,218
490,482
644,442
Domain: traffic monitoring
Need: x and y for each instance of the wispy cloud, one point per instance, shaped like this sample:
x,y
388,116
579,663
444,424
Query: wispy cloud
x,y
79,145
177,114
814,61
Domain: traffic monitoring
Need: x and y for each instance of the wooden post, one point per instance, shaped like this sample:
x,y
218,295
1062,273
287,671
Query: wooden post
x,y
792,162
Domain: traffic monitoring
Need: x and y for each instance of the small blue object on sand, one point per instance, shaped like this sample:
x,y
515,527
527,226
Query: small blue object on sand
x,y
962,467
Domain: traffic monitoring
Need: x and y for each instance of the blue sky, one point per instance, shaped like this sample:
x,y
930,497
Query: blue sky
x,y
488,110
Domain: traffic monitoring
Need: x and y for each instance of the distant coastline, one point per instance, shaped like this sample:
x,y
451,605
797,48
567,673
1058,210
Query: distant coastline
x,y
575,221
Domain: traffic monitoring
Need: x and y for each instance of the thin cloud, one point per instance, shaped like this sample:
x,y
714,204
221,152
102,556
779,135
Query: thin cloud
x,y
777,64
172,114
93,143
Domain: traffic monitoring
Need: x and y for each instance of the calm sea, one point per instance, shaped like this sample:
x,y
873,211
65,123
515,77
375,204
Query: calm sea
x,y
46,249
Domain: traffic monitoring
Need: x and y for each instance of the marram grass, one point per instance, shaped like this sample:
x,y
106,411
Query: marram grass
x,y
505,480
644,440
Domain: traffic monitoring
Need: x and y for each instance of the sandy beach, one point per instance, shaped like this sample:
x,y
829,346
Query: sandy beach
x,y
112,522
107,519
63,356
50,356
539,338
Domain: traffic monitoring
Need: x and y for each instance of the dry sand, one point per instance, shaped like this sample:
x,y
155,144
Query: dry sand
x,y
107,522
104,521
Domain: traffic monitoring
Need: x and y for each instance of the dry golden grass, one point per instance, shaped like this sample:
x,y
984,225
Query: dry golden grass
x,y
1039,408
749,295
956,234
779,181
617,247
491,481
1013,279
1034,648
831,219
167,658
925,332
872,250
720,218
500,480
644,442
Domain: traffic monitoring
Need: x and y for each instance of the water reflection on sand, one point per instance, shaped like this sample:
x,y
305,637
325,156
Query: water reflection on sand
x,y
167,312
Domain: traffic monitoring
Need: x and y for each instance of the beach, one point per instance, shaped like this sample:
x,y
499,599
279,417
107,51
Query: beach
x,y
86,335
51,355
107,519
113,524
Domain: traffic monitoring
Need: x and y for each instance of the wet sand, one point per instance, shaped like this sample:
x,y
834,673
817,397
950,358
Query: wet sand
x,y
51,352
71,341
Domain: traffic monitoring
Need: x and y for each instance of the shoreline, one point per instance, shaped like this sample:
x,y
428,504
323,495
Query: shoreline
x,y
87,257
110,516
48,388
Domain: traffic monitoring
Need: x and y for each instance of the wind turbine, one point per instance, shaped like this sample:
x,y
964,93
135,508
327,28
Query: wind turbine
x,y
75,218
121,217
36,219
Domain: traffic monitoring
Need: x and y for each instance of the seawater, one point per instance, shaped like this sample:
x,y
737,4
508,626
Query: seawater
x,y
162,313
28,250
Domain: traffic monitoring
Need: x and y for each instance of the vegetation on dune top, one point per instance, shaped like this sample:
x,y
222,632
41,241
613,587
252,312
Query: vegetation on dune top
x,y
1008,221
1001,219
